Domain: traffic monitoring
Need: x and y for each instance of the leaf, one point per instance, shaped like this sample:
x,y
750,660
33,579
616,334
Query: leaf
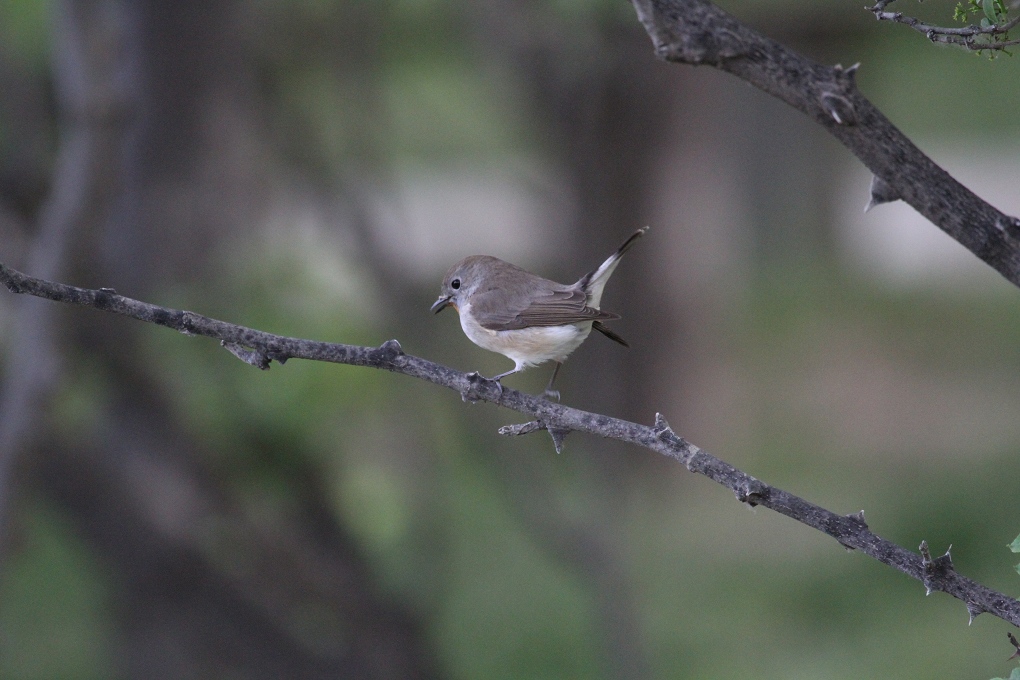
x,y
1015,545
989,8
1015,675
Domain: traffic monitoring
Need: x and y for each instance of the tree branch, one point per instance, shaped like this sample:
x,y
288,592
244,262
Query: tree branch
x,y
260,348
994,36
697,32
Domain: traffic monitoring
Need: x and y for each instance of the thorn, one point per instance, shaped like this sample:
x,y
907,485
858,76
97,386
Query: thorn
x,y
974,610
881,193
104,297
849,72
935,569
926,564
676,446
839,108
661,428
253,357
522,428
393,346
558,435
1009,226
858,517
752,492
388,351
1016,646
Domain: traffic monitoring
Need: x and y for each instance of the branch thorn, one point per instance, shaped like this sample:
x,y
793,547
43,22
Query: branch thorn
x,y
558,434
254,357
752,492
935,569
388,351
859,518
974,610
1009,226
519,429
1016,646
662,429
881,193
839,108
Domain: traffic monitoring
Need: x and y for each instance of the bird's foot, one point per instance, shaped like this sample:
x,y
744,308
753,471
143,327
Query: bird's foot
x,y
551,394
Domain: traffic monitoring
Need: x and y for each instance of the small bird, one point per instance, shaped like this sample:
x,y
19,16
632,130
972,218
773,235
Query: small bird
x,y
524,317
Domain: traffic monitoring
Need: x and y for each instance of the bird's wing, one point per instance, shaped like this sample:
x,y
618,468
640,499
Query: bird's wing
x,y
553,308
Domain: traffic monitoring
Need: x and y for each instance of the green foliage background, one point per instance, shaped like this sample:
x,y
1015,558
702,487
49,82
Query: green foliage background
x,y
721,591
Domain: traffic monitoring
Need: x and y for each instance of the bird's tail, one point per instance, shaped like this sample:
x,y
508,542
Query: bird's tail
x,y
594,282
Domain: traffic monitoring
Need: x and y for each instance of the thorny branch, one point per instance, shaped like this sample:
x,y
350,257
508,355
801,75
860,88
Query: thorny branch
x,y
260,349
993,36
697,32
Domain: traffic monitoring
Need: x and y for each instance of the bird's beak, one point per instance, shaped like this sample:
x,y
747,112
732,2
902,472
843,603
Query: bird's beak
x,y
441,304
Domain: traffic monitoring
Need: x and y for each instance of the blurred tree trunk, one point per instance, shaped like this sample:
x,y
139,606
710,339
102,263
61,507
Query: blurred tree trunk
x,y
200,589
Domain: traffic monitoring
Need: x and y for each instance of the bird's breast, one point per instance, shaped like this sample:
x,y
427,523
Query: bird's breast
x,y
526,346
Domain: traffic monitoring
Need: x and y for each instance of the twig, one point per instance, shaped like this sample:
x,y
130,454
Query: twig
x,y
964,36
851,531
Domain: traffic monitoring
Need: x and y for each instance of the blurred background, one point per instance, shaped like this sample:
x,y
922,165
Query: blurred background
x,y
311,168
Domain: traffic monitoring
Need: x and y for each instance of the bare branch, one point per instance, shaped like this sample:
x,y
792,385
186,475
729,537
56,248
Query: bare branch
x,y
851,531
994,36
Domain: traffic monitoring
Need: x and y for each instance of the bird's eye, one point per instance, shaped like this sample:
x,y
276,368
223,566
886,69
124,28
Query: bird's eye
x,y
455,284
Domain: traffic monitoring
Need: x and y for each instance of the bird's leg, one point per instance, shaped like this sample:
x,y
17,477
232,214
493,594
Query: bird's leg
x,y
499,377
496,379
550,393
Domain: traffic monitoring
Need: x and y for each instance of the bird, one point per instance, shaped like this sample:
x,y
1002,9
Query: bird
x,y
527,318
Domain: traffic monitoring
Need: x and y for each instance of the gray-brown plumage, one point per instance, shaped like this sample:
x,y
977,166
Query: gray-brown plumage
x,y
525,317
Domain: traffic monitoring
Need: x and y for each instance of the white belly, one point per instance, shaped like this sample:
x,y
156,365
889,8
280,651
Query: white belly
x,y
527,346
